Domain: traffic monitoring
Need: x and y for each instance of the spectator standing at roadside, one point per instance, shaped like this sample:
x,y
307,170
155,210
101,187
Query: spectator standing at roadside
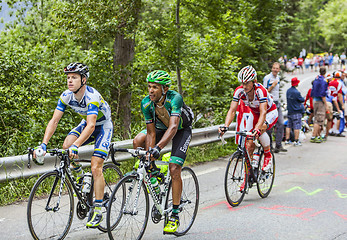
x,y
343,60
309,105
331,59
300,64
307,63
319,93
295,110
272,83
336,61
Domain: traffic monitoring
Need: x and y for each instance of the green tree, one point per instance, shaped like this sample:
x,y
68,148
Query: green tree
x,y
333,22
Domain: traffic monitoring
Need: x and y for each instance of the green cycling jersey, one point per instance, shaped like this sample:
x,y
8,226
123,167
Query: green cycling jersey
x,y
174,106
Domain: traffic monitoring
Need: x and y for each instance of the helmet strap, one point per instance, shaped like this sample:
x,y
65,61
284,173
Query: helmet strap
x,y
251,89
161,98
82,84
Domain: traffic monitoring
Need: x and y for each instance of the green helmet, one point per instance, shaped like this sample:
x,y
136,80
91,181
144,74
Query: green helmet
x,y
159,76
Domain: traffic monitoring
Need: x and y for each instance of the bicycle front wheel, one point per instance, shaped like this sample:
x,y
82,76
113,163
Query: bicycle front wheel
x,y
128,210
265,178
50,207
112,175
189,201
235,180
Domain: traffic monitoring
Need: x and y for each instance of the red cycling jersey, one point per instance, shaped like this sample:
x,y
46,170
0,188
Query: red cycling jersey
x,y
335,87
260,95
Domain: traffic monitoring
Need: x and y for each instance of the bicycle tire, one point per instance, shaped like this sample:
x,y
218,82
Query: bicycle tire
x,y
51,224
265,178
122,223
112,175
236,179
189,201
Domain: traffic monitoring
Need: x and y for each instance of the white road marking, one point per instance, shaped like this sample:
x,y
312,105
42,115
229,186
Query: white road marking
x,y
208,171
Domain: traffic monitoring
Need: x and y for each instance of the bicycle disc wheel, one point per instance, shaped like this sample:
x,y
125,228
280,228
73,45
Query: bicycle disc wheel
x,y
46,219
235,180
265,178
112,175
128,210
189,201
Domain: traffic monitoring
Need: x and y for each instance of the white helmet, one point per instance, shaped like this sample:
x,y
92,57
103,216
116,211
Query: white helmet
x,y
247,74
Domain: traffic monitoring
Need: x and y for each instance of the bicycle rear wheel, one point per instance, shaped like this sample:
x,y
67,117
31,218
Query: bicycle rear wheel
x,y
112,175
235,180
265,178
128,210
189,201
46,218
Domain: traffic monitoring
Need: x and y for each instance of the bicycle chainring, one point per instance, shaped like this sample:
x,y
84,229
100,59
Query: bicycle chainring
x,y
80,211
155,214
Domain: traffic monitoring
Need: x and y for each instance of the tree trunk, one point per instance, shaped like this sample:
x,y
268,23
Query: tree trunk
x,y
123,55
178,62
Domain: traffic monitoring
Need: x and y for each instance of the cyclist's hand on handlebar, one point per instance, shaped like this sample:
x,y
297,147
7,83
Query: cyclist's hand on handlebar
x,y
154,152
222,130
73,151
256,133
39,149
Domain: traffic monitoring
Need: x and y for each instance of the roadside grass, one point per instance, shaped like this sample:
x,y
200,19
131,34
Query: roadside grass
x,y
18,190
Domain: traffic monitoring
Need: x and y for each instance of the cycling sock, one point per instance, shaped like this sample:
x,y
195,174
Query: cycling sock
x,y
175,210
78,170
98,204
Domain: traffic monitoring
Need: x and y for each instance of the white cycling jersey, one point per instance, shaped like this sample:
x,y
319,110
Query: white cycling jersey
x,y
91,103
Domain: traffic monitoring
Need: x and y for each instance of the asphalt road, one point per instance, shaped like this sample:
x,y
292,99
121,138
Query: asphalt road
x,y
308,201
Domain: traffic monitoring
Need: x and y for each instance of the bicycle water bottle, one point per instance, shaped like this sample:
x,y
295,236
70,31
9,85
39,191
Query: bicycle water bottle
x,y
40,155
155,185
87,182
255,160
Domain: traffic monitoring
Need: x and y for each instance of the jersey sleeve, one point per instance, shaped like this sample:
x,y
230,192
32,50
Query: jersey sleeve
x,y
176,104
93,103
145,108
62,102
237,94
262,94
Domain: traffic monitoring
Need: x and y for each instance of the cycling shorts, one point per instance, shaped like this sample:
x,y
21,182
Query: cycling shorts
x,y
180,143
102,136
270,119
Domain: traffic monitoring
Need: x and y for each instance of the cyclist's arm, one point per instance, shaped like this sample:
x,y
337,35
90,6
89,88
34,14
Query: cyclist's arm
x,y
340,97
150,138
87,131
262,115
231,113
52,125
170,132
336,105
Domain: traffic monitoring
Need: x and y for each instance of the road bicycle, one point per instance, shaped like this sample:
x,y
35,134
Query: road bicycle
x,y
240,175
50,208
129,205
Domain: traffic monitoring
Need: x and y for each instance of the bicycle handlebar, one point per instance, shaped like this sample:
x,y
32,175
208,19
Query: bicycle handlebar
x,y
136,152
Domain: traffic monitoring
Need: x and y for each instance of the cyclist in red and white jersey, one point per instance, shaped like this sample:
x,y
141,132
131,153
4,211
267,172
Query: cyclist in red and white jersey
x,y
264,110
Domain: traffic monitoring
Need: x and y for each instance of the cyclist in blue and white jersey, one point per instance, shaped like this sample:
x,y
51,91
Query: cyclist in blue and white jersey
x,y
96,126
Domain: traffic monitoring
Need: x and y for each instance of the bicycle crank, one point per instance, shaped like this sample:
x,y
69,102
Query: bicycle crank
x,y
155,214
81,211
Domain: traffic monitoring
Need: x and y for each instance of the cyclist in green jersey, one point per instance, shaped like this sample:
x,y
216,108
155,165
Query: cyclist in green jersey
x,y
167,118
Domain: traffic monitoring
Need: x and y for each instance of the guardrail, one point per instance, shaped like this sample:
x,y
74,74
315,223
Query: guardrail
x,y
16,166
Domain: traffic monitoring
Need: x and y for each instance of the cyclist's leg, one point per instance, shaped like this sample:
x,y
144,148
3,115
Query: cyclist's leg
x,y
270,121
103,134
70,139
180,145
140,139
